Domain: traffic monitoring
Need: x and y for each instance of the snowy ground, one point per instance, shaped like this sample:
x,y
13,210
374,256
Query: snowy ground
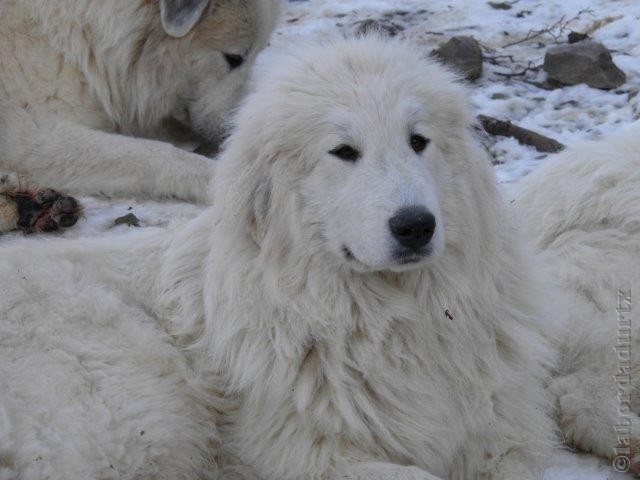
x,y
567,114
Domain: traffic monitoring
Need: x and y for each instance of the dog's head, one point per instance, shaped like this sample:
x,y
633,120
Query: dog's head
x,y
223,38
358,151
186,59
218,41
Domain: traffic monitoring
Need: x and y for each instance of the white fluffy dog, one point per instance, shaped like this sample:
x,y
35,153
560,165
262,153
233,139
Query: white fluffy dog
x,y
582,210
79,79
357,304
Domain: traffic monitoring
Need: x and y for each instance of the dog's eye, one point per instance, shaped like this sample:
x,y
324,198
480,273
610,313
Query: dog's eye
x,y
418,143
346,153
234,61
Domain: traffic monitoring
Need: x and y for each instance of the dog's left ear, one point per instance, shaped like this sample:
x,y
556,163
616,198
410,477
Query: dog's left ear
x,y
180,16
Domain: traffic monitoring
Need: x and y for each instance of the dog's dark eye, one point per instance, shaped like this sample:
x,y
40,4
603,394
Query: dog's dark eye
x,y
346,153
418,143
234,61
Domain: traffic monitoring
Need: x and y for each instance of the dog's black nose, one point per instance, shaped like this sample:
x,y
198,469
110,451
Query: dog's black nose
x,y
413,227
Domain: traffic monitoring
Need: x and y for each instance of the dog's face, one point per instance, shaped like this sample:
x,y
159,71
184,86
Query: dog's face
x,y
217,42
366,134
374,186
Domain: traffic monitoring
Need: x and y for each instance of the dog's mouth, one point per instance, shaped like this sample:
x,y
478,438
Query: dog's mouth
x,y
407,257
208,139
348,254
401,259
351,258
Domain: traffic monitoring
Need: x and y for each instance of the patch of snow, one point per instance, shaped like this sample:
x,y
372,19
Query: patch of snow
x,y
100,213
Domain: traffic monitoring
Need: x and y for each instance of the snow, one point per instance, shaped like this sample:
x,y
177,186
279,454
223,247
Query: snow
x,y
568,114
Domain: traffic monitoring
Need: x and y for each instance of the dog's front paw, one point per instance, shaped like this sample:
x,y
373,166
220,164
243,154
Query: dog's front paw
x,y
594,419
44,210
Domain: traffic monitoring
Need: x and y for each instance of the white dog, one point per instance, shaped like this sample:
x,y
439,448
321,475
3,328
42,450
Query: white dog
x,y
79,79
582,209
357,304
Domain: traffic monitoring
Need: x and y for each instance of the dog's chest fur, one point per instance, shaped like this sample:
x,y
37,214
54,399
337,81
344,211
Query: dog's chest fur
x,y
363,372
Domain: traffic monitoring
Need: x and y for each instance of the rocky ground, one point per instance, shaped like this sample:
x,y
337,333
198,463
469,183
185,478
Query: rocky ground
x,y
517,55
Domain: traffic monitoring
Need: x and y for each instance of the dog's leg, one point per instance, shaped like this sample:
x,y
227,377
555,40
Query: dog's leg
x,y
381,471
23,206
599,417
83,160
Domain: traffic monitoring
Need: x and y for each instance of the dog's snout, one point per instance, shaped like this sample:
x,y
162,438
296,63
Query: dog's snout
x,y
413,227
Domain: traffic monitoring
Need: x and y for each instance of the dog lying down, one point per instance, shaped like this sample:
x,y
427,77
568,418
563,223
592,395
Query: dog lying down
x,y
92,92
358,303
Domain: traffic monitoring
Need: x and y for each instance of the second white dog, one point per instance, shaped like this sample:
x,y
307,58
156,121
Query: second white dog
x,y
79,79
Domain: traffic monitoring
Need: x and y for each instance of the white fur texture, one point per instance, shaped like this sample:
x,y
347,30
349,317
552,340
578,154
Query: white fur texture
x,y
80,78
582,209
311,366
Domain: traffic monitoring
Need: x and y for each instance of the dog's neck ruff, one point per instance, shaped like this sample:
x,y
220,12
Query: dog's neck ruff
x,y
339,349
288,301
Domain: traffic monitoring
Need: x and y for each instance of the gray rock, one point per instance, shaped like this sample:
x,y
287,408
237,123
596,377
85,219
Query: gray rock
x,y
129,219
373,26
500,5
583,62
463,54
575,37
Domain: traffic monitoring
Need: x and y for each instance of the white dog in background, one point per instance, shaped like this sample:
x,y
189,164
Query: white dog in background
x,y
582,211
79,79
357,304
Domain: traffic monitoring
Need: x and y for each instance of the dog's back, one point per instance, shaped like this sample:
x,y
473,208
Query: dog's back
x,y
583,210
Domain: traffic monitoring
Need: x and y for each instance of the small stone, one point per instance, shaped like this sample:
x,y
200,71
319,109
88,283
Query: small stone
x,y
371,25
499,96
583,62
463,54
575,37
500,5
129,219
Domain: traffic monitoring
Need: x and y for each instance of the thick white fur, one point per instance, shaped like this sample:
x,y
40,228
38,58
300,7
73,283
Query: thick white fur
x,y
311,365
80,78
582,210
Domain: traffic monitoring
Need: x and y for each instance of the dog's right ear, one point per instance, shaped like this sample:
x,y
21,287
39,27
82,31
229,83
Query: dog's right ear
x,y
180,16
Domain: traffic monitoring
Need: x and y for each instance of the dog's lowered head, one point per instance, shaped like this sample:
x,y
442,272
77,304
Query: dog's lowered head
x,y
149,60
220,40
